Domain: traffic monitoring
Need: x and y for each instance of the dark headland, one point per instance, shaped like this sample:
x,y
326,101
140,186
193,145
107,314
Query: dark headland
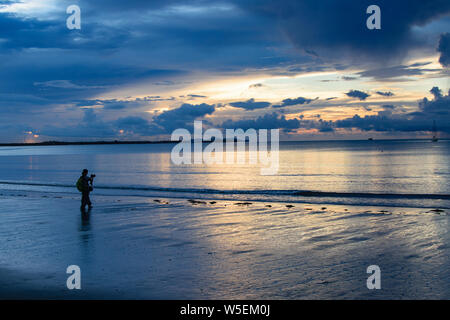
x,y
66,143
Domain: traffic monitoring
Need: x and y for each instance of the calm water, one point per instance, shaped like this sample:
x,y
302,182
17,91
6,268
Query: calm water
x,y
406,173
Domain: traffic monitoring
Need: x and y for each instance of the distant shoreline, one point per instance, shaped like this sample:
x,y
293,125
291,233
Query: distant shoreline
x,y
68,143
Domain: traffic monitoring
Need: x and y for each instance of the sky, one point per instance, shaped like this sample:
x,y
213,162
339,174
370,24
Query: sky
x,y
138,70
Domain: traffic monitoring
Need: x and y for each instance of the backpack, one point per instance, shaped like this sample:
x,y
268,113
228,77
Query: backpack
x,y
80,184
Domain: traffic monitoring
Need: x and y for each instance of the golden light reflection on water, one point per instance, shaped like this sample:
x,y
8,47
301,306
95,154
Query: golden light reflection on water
x,y
369,167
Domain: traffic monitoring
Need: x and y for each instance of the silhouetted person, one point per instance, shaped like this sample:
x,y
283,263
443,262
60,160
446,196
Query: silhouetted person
x,y
84,185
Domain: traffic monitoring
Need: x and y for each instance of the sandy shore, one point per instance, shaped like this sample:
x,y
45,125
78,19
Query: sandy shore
x,y
154,248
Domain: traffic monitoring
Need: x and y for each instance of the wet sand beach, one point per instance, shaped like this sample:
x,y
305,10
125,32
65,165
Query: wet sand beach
x,y
163,248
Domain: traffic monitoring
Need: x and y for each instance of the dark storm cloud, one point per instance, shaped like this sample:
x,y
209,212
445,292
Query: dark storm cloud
x,y
357,94
444,49
250,104
331,28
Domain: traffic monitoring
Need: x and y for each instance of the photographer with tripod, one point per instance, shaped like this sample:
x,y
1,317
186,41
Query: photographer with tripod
x,y
84,185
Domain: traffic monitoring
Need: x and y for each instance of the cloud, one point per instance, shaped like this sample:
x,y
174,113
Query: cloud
x,y
267,121
293,102
388,120
385,94
256,85
250,104
194,96
117,104
51,74
134,125
357,94
396,72
137,5
444,49
337,29
391,118
436,92
324,126
90,127
182,117
437,108
66,84
347,78
276,121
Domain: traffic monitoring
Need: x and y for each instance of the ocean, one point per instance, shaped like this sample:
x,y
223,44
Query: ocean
x,y
404,173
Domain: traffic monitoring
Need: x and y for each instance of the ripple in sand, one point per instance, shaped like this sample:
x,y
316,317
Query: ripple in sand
x,y
438,211
242,251
161,201
192,201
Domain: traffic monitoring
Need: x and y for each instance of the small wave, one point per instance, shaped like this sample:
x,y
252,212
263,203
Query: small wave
x,y
292,193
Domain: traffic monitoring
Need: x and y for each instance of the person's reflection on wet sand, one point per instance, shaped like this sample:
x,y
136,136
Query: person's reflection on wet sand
x,y
85,235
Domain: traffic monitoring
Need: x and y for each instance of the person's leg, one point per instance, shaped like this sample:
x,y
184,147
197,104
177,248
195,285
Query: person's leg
x,y
88,200
84,199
